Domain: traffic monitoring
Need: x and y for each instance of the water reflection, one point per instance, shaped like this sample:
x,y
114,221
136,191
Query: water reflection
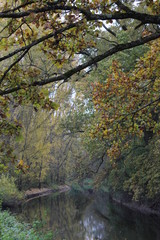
x,y
77,217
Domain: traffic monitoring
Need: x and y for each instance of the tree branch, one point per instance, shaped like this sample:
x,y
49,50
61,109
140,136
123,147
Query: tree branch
x,y
129,14
100,164
65,76
40,40
19,7
12,65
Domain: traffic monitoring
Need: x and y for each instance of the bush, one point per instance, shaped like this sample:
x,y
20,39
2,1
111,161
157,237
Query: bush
x,y
10,229
8,189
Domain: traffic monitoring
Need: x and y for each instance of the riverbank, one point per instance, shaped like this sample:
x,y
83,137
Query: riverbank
x,y
138,207
147,208
151,208
30,194
36,192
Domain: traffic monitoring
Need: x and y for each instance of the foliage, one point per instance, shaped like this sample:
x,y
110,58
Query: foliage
x,y
50,153
60,30
11,229
9,129
46,42
127,107
8,189
33,33
143,169
34,148
136,172
128,103
81,117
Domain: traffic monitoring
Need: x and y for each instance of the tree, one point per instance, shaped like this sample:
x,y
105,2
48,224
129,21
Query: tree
x,y
128,102
81,117
61,32
33,148
59,28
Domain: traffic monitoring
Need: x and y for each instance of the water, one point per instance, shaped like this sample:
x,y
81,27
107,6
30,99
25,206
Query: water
x,y
77,217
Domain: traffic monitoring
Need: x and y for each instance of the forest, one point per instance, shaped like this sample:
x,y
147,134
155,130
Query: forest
x,y
79,97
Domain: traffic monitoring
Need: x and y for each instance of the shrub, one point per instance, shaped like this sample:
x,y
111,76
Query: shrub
x,y
11,229
8,189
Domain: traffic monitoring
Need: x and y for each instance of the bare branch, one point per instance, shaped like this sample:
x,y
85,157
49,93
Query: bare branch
x,y
100,164
109,30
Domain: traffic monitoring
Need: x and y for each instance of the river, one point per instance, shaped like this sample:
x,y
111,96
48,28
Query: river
x,y
80,217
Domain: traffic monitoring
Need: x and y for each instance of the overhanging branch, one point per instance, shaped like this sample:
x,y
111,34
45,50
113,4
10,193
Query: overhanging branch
x,y
38,41
65,76
129,14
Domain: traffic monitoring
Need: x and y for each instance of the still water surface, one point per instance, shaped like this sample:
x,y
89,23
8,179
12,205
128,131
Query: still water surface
x,y
77,217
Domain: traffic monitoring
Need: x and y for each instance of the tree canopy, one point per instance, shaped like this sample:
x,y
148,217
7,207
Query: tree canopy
x,y
128,102
60,30
46,43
